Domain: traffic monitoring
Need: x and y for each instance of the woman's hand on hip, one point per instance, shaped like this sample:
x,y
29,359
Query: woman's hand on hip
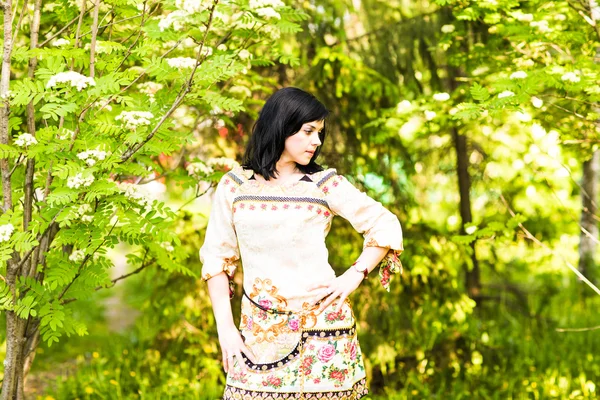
x,y
339,287
232,346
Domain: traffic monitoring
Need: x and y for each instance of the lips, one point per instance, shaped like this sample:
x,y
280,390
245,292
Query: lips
x,y
311,152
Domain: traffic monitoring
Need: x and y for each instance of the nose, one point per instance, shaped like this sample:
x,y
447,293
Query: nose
x,y
316,141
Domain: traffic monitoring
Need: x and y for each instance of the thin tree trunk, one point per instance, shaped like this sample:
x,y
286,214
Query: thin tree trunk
x,y
94,35
14,326
472,275
28,191
4,98
589,195
589,189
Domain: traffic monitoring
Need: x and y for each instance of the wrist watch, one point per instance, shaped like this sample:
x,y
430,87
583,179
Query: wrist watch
x,y
362,268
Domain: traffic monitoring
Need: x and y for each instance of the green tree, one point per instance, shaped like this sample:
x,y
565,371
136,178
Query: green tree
x,y
86,119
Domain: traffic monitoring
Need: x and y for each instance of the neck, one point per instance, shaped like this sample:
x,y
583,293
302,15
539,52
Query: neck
x,y
286,168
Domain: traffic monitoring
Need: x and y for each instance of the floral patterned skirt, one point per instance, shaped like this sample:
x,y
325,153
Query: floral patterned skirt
x,y
299,355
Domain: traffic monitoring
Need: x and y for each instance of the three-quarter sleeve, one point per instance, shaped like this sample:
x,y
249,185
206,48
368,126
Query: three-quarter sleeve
x,y
379,226
220,251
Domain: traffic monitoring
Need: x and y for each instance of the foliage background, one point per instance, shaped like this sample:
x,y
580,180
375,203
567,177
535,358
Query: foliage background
x,y
405,82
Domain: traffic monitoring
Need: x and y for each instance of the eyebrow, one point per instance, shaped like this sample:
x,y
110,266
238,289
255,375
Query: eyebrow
x,y
314,127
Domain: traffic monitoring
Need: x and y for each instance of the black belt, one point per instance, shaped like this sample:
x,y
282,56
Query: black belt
x,y
269,310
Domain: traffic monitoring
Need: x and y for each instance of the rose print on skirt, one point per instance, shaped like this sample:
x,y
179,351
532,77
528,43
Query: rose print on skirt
x,y
326,353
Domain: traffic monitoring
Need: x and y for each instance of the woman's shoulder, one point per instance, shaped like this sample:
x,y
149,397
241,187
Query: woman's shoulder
x,y
324,176
238,174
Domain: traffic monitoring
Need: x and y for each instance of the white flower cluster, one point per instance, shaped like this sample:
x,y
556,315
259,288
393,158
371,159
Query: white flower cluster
x,y
571,77
448,28
518,75
272,31
82,213
537,102
192,6
181,62
198,169
84,208
133,119
403,106
150,89
60,42
441,96
268,12
73,78
223,162
506,93
133,192
101,48
77,256
524,62
167,246
176,19
542,25
207,51
25,139
266,8
523,17
77,181
66,134
244,54
429,115
92,156
6,231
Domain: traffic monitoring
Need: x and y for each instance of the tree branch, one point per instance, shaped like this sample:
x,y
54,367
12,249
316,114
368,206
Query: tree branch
x,y
23,11
30,168
114,281
185,89
87,257
128,53
593,328
39,237
61,30
530,236
94,34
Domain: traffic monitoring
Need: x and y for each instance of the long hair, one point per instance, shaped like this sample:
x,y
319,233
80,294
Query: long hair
x,y
282,116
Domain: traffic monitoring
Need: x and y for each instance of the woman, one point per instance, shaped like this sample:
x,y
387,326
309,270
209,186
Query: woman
x,y
297,336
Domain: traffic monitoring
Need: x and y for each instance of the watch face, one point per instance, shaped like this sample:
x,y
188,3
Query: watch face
x,y
360,267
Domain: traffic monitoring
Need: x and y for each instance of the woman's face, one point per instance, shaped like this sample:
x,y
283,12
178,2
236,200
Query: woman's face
x,y
300,147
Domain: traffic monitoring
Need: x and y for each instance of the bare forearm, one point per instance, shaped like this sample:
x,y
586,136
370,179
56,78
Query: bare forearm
x,y
218,289
371,256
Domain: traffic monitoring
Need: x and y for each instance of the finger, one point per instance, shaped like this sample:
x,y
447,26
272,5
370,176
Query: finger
x,y
317,286
230,363
249,354
328,301
225,365
240,360
327,292
343,298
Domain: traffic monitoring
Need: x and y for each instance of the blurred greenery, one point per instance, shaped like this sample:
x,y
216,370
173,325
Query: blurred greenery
x,y
404,82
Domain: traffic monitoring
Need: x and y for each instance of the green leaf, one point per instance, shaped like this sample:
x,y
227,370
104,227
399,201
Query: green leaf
x,y
478,92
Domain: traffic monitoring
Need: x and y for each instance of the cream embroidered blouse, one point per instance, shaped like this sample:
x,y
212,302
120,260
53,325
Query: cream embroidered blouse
x,y
279,231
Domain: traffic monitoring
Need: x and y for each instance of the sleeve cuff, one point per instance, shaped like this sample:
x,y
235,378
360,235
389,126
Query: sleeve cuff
x,y
227,265
390,264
